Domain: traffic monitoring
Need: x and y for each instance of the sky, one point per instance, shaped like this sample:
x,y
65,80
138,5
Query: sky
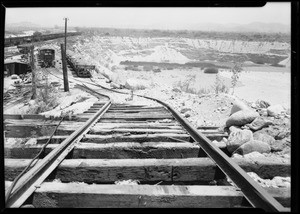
x,y
151,18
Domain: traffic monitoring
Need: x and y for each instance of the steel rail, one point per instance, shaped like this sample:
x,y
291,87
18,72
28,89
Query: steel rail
x,y
32,180
253,192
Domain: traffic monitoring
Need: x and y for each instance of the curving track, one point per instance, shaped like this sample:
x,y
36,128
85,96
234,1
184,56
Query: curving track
x,y
174,163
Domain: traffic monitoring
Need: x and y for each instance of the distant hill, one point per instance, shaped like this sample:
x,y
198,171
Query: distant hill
x,y
230,27
20,26
251,27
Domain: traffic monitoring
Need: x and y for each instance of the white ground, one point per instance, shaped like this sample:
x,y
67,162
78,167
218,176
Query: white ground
x,y
274,87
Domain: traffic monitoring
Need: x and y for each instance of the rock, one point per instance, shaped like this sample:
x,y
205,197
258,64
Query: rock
x,y
114,85
156,70
176,90
32,102
220,144
262,104
14,76
276,131
241,118
279,145
263,112
263,137
185,110
234,128
187,115
136,84
238,105
282,181
27,206
253,146
259,123
238,138
200,123
275,110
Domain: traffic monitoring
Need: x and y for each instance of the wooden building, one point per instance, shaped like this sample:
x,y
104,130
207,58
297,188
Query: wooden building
x,y
15,67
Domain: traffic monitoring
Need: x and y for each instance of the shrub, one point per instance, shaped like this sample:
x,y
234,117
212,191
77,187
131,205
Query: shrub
x,y
188,84
147,67
219,86
211,70
236,70
46,98
156,70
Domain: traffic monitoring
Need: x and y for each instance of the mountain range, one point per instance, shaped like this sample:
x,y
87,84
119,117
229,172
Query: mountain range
x,y
260,27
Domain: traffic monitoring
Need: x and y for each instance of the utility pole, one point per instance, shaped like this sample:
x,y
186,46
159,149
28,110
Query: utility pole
x,y
64,64
33,79
63,57
66,23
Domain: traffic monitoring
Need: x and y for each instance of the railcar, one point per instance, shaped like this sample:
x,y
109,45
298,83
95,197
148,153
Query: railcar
x,y
46,56
81,67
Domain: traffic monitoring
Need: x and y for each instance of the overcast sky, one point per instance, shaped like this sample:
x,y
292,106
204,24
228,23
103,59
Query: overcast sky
x,y
159,18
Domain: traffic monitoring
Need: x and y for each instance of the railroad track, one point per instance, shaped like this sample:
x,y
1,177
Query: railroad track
x,y
90,154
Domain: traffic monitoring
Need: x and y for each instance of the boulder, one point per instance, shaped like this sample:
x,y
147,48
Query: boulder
x,y
220,144
262,104
184,110
276,131
280,145
241,118
238,138
259,123
263,137
263,112
275,110
234,128
104,71
186,115
136,84
238,105
14,76
211,70
176,90
114,85
253,146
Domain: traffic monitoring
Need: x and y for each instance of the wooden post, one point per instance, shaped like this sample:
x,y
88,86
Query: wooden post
x,y
65,72
66,21
33,72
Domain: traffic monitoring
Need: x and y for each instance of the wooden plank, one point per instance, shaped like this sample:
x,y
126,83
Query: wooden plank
x,y
115,138
135,115
23,116
187,169
135,138
131,121
41,122
134,196
101,131
111,170
33,117
23,129
129,111
140,114
113,150
139,125
75,195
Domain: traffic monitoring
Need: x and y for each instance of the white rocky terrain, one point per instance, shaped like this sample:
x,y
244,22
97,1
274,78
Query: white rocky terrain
x,y
159,67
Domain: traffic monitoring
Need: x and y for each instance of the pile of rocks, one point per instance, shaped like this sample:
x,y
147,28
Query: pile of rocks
x,y
261,128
